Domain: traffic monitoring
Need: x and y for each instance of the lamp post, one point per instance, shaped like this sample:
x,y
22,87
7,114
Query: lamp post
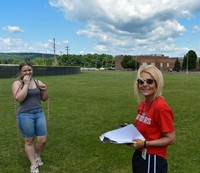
x,y
136,63
187,59
187,64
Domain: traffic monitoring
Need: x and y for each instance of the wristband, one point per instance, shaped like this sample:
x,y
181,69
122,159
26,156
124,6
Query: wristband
x,y
145,144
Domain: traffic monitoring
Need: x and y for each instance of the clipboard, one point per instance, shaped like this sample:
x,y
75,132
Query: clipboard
x,y
124,135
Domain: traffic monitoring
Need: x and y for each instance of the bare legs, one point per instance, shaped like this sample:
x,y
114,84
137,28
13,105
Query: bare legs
x,y
40,144
31,149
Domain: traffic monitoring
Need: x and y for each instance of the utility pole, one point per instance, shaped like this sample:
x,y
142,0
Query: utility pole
x,y
54,46
67,48
54,51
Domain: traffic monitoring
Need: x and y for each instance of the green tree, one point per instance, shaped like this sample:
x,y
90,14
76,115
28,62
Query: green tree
x,y
177,65
128,62
190,60
38,61
199,63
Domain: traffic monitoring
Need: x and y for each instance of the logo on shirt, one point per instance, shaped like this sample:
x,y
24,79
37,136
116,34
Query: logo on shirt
x,y
143,118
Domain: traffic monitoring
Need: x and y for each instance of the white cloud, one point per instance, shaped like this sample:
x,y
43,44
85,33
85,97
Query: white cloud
x,y
12,45
119,26
130,24
65,42
13,29
18,45
196,29
11,42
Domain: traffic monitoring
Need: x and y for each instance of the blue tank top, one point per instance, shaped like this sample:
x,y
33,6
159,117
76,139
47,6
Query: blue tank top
x,y
32,101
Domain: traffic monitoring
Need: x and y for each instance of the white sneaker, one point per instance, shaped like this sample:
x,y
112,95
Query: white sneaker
x,y
38,160
34,169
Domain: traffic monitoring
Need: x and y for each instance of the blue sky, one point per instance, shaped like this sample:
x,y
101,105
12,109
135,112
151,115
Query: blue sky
x,y
131,27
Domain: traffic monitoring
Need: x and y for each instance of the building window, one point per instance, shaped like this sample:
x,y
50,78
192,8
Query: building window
x,y
144,63
167,64
153,63
161,65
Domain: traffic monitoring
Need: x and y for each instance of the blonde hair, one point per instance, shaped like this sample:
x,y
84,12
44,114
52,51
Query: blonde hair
x,y
157,76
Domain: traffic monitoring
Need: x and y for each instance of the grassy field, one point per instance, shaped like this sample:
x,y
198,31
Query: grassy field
x,y
84,106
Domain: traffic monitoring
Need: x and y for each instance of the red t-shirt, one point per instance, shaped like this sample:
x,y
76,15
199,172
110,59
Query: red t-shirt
x,y
153,120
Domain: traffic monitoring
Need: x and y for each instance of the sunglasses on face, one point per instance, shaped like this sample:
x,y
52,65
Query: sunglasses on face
x,y
148,81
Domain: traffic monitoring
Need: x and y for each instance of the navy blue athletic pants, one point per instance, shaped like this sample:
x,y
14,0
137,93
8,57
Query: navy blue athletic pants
x,y
152,164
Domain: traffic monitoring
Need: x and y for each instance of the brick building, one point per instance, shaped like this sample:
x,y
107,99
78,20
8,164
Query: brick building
x,y
162,62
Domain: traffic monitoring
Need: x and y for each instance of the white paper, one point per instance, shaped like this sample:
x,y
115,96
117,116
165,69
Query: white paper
x,y
127,134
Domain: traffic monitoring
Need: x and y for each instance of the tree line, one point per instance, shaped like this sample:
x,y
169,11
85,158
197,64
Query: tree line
x,y
190,60
88,60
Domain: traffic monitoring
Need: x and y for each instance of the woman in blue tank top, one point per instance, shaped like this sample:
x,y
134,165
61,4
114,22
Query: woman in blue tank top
x,y
30,115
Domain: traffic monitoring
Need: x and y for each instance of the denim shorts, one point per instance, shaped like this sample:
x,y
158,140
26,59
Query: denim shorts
x,y
32,123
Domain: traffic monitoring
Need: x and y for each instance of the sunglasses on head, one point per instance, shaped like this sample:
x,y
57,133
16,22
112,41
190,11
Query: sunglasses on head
x,y
148,81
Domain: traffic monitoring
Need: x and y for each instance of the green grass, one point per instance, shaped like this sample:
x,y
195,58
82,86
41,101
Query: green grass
x,y
84,106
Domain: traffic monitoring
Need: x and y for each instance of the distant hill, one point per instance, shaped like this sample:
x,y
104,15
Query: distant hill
x,y
24,55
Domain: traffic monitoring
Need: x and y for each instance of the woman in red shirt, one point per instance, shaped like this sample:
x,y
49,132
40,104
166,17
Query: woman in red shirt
x,y
154,121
